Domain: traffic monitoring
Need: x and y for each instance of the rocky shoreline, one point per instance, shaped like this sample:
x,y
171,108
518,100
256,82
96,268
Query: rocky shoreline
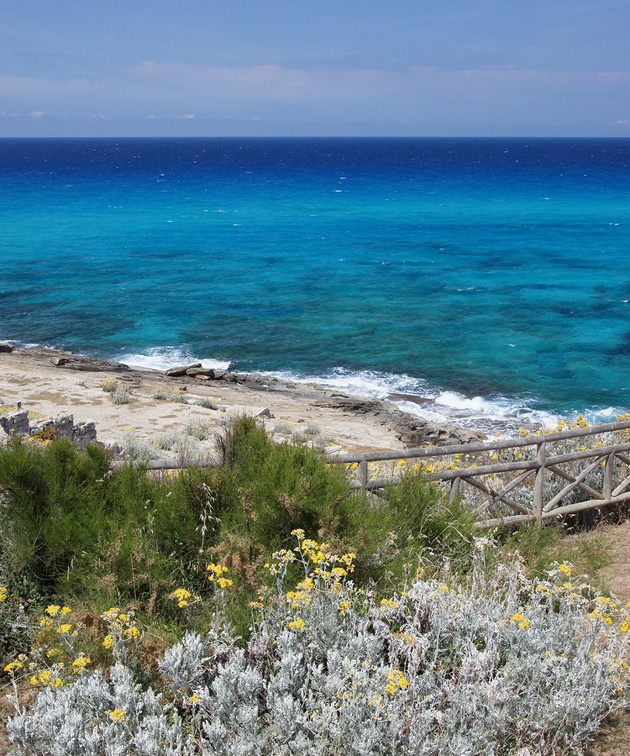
x,y
249,389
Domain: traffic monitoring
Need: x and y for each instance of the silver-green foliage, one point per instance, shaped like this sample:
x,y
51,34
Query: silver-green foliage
x,y
500,665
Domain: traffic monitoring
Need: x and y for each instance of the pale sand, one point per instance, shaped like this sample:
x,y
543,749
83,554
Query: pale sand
x,y
29,376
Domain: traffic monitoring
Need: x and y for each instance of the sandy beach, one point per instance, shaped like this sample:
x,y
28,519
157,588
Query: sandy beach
x,y
50,383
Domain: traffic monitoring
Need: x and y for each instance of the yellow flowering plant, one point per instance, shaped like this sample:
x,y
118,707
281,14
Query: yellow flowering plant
x,y
54,658
123,633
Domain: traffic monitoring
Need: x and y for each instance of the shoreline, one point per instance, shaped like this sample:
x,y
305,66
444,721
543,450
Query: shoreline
x,y
49,382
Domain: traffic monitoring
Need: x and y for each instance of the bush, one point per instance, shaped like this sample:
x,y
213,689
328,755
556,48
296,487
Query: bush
x,y
52,506
495,665
129,535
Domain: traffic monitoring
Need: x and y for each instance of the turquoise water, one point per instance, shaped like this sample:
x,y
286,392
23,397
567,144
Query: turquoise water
x,y
490,274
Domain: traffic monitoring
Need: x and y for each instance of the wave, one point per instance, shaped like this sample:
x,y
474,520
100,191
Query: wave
x,y
492,415
164,357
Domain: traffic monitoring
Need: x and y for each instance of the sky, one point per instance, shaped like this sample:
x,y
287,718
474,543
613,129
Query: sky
x,y
315,68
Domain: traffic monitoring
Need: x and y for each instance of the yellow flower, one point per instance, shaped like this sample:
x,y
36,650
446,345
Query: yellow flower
x,y
52,610
348,560
520,620
216,570
566,568
81,662
195,698
65,628
11,667
297,624
306,585
624,627
388,604
108,641
116,714
132,632
65,610
183,597
3,593
396,681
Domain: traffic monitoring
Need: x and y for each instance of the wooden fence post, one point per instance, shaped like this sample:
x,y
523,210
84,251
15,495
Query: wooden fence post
x,y
539,483
609,469
454,493
362,475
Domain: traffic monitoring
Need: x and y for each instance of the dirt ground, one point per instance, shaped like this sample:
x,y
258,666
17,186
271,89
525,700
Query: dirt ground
x,y
615,739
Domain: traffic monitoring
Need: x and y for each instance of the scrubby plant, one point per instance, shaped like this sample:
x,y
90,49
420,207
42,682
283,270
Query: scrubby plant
x,y
138,449
206,403
121,396
180,397
199,429
497,664
283,428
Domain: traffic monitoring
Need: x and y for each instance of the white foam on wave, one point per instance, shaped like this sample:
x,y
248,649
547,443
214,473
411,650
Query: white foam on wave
x,y
362,382
162,358
491,414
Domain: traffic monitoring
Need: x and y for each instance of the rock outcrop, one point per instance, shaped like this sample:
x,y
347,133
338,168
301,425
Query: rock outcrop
x,y
61,426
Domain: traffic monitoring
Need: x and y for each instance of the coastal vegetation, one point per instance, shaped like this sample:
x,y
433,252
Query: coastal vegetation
x,y
260,606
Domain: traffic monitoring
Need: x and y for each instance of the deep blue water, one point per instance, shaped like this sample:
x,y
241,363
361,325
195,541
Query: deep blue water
x,y
492,273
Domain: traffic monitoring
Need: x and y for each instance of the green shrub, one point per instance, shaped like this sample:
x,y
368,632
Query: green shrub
x,y
52,505
131,535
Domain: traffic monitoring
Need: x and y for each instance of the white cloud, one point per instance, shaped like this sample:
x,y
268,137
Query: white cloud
x,y
273,92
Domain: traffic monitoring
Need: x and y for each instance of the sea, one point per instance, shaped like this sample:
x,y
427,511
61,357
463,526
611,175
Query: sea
x,y
477,281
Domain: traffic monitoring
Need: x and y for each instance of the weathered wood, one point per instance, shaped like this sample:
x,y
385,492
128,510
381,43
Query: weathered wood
x,y
582,486
623,485
572,485
539,483
495,495
586,454
608,474
445,451
559,512
582,505
516,482
454,492
362,474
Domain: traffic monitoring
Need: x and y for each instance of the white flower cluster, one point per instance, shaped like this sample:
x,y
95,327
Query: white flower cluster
x,y
501,665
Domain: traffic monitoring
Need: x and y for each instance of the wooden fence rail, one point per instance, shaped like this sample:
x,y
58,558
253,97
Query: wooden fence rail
x,y
598,475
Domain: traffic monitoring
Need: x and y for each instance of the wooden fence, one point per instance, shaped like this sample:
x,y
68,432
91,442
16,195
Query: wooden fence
x,y
532,482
